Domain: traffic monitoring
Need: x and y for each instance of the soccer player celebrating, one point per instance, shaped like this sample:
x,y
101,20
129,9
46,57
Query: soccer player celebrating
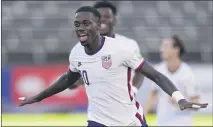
x,y
104,63
108,21
183,78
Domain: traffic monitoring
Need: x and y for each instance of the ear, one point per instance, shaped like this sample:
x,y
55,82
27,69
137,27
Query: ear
x,y
177,50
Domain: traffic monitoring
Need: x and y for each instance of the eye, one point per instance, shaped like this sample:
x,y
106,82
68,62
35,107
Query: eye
x,y
86,23
77,24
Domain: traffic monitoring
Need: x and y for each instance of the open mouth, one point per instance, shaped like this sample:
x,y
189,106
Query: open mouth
x,y
104,29
83,37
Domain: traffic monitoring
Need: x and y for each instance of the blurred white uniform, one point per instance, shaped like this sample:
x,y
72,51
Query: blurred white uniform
x,y
169,114
107,78
130,43
127,42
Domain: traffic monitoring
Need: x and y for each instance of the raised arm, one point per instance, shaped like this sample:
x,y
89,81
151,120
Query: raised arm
x,y
161,80
62,83
76,84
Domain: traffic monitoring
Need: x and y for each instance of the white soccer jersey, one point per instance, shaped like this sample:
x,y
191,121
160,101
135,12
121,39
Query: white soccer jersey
x,y
111,100
127,41
184,79
134,46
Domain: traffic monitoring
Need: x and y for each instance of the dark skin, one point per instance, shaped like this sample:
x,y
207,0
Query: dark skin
x,y
87,23
109,19
71,77
91,28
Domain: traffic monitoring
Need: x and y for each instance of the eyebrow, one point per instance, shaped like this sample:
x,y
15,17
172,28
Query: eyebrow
x,y
83,20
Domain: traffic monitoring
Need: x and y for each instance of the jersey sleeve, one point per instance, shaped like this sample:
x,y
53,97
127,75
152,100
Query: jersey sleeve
x,y
72,64
191,87
133,59
136,46
72,67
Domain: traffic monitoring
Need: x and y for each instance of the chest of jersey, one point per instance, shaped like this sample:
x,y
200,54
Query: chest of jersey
x,y
101,68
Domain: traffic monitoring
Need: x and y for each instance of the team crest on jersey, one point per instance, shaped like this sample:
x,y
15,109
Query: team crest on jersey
x,y
106,61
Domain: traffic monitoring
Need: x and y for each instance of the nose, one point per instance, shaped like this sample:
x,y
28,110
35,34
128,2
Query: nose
x,y
80,28
103,20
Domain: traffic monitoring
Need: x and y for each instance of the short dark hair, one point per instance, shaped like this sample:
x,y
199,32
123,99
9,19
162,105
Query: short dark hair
x,y
89,9
107,4
177,42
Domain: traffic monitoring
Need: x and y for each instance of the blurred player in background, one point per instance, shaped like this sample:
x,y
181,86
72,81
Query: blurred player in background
x,y
108,13
104,63
182,76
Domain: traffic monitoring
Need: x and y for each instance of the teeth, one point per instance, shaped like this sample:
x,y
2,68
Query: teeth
x,y
82,35
103,25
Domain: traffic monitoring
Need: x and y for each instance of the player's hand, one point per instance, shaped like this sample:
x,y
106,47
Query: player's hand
x,y
25,100
184,104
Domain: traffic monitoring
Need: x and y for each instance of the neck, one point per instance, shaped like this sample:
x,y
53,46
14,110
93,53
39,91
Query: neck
x,y
110,34
173,64
93,47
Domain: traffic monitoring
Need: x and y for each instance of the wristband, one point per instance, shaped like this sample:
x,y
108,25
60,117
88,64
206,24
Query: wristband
x,y
177,96
196,106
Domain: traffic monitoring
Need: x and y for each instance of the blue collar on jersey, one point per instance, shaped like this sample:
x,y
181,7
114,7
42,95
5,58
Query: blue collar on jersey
x,y
100,47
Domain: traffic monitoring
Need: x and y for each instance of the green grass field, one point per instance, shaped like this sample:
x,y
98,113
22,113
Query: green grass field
x,y
75,120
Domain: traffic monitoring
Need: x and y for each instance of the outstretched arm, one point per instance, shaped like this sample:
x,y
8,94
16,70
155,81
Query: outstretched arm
x,y
62,83
77,83
161,80
167,86
151,100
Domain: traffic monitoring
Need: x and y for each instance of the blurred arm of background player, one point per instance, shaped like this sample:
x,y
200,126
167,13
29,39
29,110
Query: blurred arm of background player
x,y
151,100
62,83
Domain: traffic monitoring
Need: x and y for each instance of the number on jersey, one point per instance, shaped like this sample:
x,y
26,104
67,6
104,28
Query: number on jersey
x,y
85,77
